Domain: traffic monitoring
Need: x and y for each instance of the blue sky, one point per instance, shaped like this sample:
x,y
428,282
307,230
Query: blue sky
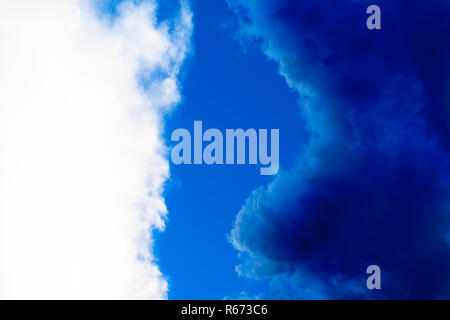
x,y
225,88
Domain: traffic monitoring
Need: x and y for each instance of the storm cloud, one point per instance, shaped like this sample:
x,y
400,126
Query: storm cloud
x,y
372,184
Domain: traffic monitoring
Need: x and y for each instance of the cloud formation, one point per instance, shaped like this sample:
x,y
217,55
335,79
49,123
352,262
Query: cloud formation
x,y
372,185
82,161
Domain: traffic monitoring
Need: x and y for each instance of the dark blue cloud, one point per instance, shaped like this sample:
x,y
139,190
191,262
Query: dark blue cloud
x,y
372,185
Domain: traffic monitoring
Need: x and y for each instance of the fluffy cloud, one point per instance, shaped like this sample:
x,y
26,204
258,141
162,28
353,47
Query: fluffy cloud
x,y
82,162
372,186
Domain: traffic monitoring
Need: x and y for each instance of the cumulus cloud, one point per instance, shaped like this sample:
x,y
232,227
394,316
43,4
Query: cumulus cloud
x,y
82,161
372,185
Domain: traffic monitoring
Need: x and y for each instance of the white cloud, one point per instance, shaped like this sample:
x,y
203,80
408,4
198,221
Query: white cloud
x,y
82,163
